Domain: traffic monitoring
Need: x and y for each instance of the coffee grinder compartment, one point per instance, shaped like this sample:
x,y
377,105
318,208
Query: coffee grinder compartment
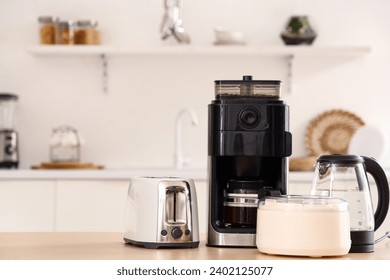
x,y
247,88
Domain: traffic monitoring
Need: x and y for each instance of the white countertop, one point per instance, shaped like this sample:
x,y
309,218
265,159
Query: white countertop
x,y
125,174
103,174
120,174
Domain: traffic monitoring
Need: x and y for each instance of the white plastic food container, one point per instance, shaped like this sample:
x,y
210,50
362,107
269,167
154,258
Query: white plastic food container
x,y
303,226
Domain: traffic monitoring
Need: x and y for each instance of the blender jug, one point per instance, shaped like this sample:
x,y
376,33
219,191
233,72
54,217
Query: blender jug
x,y
7,110
344,176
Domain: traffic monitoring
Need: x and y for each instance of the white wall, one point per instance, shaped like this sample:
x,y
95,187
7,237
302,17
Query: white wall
x,y
133,125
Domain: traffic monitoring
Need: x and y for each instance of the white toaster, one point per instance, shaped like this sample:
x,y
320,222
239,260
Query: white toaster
x,y
162,212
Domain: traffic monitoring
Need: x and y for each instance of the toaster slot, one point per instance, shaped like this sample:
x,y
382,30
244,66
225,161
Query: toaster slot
x,y
175,203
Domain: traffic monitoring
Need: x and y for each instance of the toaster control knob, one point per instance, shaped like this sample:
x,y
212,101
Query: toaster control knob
x,y
176,233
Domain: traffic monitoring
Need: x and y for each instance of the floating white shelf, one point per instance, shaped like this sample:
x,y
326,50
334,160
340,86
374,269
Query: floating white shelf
x,y
246,50
289,52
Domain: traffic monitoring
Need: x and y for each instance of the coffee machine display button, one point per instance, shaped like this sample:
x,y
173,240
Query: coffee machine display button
x,y
176,233
164,232
249,118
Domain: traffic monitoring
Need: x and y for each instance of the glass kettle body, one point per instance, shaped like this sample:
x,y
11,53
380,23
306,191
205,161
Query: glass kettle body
x,y
345,176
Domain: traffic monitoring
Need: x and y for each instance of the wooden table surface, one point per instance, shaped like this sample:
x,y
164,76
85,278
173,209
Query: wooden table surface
x,y
110,246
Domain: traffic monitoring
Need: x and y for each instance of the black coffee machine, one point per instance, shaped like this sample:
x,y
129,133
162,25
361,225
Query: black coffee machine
x,y
249,144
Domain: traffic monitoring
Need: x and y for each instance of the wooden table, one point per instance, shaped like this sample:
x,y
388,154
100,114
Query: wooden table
x,y
109,246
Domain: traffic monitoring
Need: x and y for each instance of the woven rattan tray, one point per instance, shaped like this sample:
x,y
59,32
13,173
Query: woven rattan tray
x,y
331,132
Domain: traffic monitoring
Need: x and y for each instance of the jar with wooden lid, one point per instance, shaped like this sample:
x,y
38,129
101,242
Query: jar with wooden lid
x,y
65,32
86,33
47,30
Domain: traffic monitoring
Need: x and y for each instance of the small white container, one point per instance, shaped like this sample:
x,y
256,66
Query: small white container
x,y
303,226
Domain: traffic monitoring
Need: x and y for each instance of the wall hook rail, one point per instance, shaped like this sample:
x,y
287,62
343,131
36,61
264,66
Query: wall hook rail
x,y
290,73
103,57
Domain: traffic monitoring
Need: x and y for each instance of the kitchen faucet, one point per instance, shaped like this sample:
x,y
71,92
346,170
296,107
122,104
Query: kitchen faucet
x,y
180,160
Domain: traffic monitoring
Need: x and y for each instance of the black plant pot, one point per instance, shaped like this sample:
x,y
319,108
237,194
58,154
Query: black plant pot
x,y
298,32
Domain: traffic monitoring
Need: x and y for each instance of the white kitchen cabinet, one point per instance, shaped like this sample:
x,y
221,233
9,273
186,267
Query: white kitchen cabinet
x,y
100,205
27,205
32,201
91,205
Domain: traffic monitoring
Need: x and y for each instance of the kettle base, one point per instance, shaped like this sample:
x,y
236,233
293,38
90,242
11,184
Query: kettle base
x,y
362,241
157,245
367,248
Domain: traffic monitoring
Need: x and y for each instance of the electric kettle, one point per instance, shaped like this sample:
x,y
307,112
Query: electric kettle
x,y
344,176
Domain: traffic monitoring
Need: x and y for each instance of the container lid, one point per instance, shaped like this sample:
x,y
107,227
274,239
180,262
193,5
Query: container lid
x,y
47,19
340,159
65,23
299,203
86,23
247,87
5,96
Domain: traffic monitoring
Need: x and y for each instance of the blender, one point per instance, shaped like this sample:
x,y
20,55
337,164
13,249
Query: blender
x,y
8,136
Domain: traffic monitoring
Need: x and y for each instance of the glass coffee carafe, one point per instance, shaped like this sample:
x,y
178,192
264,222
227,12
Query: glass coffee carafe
x,y
344,176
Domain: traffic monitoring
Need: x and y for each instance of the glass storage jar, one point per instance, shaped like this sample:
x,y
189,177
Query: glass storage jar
x,y
47,29
86,33
65,144
64,32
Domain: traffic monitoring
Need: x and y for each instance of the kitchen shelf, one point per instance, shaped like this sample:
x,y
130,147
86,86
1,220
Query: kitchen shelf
x,y
288,52
261,50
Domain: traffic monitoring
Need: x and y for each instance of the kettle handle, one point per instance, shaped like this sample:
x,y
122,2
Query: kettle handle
x,y
373,167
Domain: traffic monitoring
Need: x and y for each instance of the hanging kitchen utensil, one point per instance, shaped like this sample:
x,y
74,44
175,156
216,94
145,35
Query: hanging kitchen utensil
x,y
172,24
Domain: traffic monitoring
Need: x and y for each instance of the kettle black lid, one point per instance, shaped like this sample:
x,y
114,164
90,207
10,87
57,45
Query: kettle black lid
x,y
337,158
5,96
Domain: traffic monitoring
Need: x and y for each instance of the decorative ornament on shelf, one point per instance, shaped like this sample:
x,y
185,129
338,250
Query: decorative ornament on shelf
x,y
331,132
328,133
